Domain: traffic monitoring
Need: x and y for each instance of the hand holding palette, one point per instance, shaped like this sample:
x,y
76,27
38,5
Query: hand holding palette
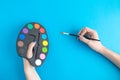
x,y
33,32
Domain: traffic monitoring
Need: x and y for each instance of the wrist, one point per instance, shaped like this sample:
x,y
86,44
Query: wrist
x,y
102,49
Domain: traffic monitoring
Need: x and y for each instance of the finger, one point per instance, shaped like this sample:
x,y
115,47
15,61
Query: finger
x,y
31,45
30,49
83,32
83,39
79,33
89,29
92,33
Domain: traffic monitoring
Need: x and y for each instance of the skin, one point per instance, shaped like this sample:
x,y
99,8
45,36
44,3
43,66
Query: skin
x,y
29,70
97,46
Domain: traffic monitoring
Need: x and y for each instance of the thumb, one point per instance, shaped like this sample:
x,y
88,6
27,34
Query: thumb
x,y
30,49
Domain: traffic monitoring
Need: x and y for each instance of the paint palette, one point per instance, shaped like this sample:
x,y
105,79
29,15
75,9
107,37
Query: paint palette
x,y
33,32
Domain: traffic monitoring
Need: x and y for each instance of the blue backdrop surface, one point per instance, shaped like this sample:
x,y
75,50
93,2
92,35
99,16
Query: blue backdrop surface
x,y
68,59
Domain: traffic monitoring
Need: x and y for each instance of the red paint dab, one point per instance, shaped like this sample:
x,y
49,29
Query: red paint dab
x,y
42,30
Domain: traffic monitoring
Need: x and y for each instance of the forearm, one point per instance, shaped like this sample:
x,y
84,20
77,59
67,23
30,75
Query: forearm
x,y
31,74
112,56
30,71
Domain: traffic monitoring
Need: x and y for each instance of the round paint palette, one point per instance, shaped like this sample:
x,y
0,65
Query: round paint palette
x,y
33,32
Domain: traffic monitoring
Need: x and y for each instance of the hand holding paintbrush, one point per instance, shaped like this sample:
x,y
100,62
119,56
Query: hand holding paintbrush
x,y
88,36
85,33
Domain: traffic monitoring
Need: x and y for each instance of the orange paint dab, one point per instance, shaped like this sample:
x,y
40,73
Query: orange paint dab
x,y
37,26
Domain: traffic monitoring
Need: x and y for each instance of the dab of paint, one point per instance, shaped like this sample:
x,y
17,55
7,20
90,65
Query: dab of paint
x,y
44,50
45,43
42,30
30,26
25,30
42,56
44,36
37,26
21,36
20,43
38,62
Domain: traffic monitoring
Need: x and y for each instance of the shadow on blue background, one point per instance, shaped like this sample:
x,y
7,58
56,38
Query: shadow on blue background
x,y
68,59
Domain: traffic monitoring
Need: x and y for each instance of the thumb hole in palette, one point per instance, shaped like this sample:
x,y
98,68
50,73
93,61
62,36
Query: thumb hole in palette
x,y
33,32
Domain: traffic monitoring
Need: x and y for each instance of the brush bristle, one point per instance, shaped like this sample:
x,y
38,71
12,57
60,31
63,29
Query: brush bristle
x,y
65,33
62,32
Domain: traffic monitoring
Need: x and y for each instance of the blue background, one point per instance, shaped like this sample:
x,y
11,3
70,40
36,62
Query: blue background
x,y
68,59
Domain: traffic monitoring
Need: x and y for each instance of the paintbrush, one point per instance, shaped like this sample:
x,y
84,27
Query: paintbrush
x,y
65,33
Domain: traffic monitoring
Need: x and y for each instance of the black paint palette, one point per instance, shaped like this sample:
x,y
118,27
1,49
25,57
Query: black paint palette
x,y
33,32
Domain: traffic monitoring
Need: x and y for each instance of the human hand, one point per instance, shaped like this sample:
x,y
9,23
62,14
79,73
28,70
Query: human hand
x,y
95,45
29,70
